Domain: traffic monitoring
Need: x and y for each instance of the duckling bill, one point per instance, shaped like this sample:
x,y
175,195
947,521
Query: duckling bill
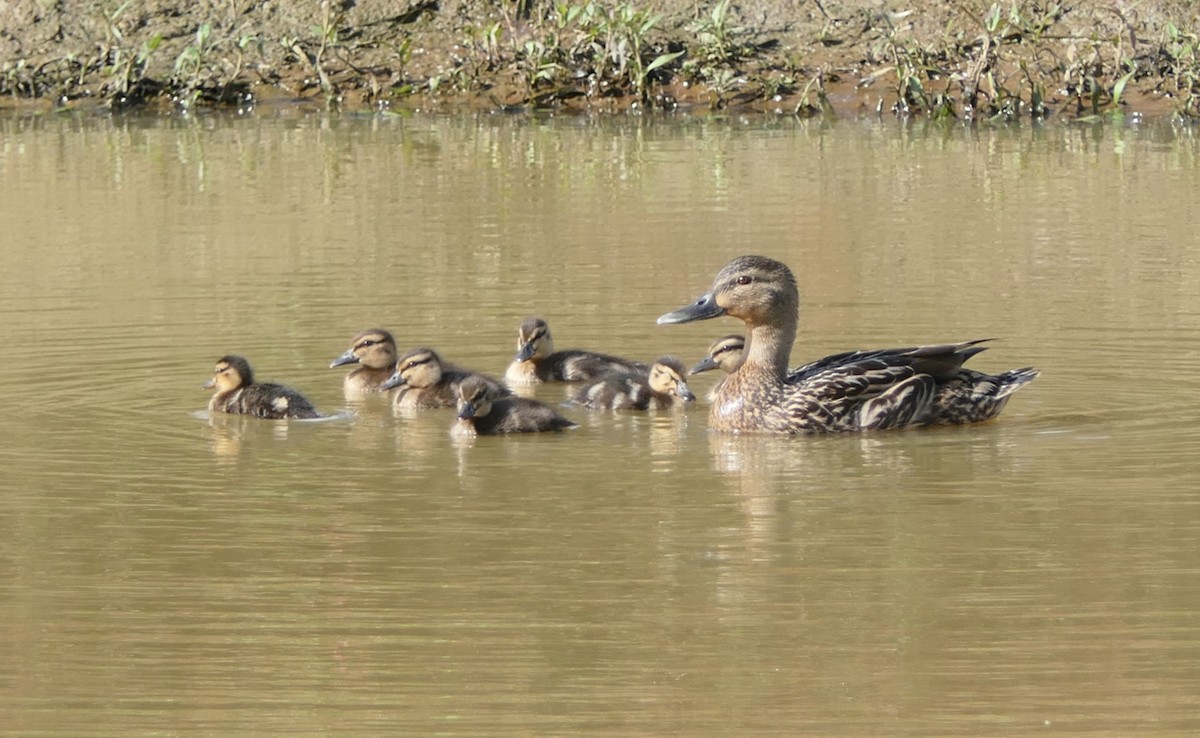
x,y
238,393
853,391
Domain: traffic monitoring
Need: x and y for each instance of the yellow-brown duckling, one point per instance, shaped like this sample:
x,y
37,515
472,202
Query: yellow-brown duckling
x,y
425,381
725,354
482,412
854,391
537,361
662,387
238,393
374,350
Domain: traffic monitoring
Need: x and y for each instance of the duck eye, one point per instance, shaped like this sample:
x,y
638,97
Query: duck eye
x,y
744,279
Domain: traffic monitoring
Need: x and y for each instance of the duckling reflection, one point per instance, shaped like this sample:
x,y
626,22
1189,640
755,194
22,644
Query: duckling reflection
x,y
238,393
374,350
425,381
482,412
663,386
228,431
854,391
537,361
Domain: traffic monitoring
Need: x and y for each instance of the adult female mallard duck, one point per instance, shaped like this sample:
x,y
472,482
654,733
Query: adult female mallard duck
x,y
237,392
374,350
537,361
662,387
428,382
482,412
854,391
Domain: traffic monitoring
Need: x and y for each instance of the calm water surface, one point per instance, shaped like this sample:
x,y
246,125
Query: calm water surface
x,y
167,573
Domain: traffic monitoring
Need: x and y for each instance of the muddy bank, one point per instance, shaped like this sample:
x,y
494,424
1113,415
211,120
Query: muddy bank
x,y
974,60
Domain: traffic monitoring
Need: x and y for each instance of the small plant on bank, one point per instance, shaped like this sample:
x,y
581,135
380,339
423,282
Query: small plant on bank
x,y
192,66
718,36
1178,62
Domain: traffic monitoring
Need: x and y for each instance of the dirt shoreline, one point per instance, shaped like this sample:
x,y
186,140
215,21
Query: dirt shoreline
x,y
967,60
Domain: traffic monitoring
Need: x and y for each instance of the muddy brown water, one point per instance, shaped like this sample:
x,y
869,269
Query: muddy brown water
x,y
168,573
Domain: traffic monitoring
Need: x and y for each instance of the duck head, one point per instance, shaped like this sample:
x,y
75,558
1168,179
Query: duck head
x,y
725,354
230,372
533,340
667,378
374,349
474,398
421,367
756,289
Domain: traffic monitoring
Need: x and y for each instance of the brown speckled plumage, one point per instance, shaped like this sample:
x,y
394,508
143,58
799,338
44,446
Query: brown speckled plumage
x,y
853,391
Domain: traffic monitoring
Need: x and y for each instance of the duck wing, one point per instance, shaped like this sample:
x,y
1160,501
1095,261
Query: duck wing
x,y
974,396
887,388
941,361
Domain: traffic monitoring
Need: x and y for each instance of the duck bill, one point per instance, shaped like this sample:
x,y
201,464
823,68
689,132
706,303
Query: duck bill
x,y
467,411
209,384
686,394
706,364
344,359
703,308
525,353
393,382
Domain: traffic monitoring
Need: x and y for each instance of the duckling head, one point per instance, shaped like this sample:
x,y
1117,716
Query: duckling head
x,y
533,340
759,290
231,372
667,378
725,354
474,398
374,349
421,367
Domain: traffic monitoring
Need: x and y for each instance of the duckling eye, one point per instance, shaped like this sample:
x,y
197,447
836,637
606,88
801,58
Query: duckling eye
x,y
745,279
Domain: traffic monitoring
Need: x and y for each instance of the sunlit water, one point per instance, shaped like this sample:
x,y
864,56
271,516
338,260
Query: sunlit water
x,y
163,572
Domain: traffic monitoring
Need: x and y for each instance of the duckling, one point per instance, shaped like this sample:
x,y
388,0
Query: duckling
x,y
237,392
537,361
374,350
725,354
482,412
662,387
854,391
428,382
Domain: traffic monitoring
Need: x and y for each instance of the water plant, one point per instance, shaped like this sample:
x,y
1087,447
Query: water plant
x,y
717,35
